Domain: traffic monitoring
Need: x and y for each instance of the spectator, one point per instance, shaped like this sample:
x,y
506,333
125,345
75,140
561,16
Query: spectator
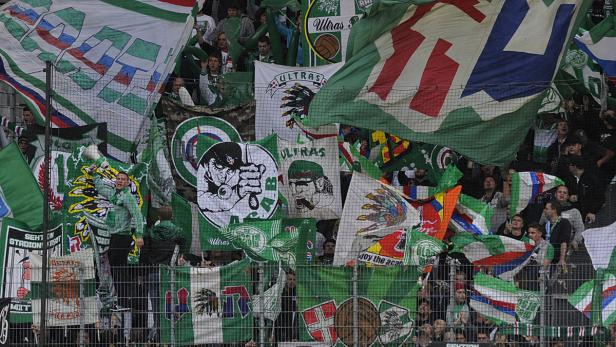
x,y
263,54
329,249
558,231
421,178
558,147
570,213
450,336
496,200
210,92
460,336
543,253
483,335
26,148
179,92
286,327
159,245
247,28
514,228
585,190
607,163
221,46
589,153
286,33
124,212
425,335
424,313
440,327
204,23
458,312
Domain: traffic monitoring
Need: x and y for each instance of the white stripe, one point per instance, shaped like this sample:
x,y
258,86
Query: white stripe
x,y
491,312
496,294
602,49
206,328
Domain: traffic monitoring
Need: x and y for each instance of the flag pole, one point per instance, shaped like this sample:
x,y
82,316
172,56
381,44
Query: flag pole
x,y
46,186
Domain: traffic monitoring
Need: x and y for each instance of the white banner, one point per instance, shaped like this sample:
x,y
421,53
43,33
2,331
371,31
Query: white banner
x,y
111,57
282,92
311,178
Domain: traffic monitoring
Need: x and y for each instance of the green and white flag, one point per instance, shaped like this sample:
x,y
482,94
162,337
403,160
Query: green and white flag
x,y
474,78
386,303
71,288
110,57
269,304
420,248
85,210
270,240
210,305
156,156
20,196
311,178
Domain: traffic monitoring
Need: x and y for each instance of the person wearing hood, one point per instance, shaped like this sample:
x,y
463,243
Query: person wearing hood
x,y
159,245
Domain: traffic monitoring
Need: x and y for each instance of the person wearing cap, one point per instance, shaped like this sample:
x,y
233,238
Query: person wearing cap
x,y
585,189
247,28
458,313
225,179
309,186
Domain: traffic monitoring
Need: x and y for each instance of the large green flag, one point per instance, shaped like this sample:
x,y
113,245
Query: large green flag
x,y
271,240
85,210
211,305
474,78
386,303
420,248
20,195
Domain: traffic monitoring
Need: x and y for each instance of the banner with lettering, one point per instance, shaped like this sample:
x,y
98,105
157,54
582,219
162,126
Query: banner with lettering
x,y
284,93
311,178
71,289
18,244
327,26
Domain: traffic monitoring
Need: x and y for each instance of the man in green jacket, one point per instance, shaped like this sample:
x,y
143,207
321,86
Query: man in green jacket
x,y
124,210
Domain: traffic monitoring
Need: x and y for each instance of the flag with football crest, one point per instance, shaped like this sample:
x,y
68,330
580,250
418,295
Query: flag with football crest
x,y
372,211
474,78
85,210
386,305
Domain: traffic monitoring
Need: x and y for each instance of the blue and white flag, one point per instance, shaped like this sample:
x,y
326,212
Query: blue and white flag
x,y
600,44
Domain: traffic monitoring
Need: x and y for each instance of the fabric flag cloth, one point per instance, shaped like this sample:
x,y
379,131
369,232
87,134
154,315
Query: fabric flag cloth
x,y
311,178
211,305
284,92
386,297
582,299
156,156
20,196
418,192
420,248
111,59
471,215
269,304
370,206
503,255
599,43
396,56
68,139
600,244
502,302
5,316
85,210
435,213
352,160
18,243
526,186
72,289
270,240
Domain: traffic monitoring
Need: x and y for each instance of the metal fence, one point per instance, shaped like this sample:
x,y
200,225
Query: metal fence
x,y
213,301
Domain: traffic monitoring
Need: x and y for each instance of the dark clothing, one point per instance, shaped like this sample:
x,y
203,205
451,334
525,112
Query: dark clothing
x,y
588,189
159,243
119,247
558,233
326,259
286,327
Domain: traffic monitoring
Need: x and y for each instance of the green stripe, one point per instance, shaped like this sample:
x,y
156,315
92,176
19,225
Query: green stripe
x,y
148,10
89,289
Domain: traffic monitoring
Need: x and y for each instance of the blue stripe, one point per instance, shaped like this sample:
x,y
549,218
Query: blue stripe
x,y
535,192
106,60
84,47
67,39
33,95
502,268
480,298
31,14
45,25
608,66
472,228
609,299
